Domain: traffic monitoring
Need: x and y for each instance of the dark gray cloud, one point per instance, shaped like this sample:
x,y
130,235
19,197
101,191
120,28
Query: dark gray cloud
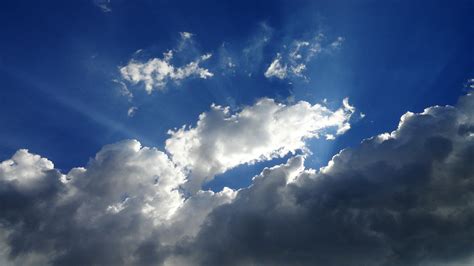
x,y
400,198
404,198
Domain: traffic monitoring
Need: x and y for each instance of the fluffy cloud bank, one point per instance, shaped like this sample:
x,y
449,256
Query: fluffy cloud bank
x,y
130,201
222,140
124,205
400,198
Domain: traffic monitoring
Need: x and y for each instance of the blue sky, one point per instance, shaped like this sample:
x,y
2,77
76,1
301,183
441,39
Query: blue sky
x,y
73,80
59,59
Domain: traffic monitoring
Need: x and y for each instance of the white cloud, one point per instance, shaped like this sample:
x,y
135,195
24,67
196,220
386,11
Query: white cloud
x,y
156,72
222,140
104,5
25,169
337,43
251,57
276,69
131,111
124,91
293,60
153,185
470,83
186,35
125,196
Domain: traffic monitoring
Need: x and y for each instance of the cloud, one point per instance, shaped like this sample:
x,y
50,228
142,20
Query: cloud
x,y
108,213
337,43
400,198
276,69
104,5
228,64
132,204
222,140
131,111
25,169
245,58
252,54
470,83
186,35
123,89
156,72
291,62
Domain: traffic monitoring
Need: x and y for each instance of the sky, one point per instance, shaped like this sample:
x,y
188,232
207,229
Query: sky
x,y
236,132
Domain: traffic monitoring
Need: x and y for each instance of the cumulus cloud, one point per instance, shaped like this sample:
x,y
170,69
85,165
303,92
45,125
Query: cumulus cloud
x,y
222,140
132,204
292,61
24,169
126,201
156,72
399,198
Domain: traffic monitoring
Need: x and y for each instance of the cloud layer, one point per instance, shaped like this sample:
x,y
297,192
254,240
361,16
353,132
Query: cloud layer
x,y
399,198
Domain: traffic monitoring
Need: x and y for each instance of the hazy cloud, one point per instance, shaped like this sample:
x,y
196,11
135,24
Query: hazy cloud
x,y
104,5
292,60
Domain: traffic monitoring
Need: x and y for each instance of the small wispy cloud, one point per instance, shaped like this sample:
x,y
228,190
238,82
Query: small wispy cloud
x,y
470,83
124,91
186,35
104,5
131,111
292,61
277,69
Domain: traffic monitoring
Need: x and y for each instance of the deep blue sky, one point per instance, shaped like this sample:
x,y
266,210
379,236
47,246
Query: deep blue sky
x,y
58,60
